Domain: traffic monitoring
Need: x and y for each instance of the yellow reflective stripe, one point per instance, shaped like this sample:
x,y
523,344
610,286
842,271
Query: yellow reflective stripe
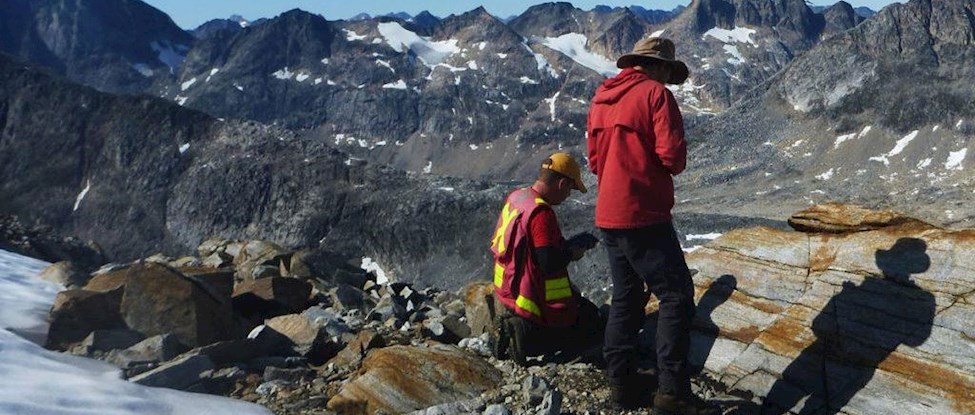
x,y
498,274
507,215
528,305
540,201
552,295
556,283
557,289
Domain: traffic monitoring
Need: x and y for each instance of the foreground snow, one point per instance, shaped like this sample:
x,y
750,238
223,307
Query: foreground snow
x,y
38,381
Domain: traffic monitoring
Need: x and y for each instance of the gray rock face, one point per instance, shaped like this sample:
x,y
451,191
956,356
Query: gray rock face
x,y
845,121
120,46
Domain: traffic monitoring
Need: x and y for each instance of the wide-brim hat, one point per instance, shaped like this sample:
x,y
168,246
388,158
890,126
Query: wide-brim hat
x,y
660,49
567,166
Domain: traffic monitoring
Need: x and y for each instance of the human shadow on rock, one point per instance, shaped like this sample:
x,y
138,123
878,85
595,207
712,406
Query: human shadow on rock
x,y
857,330
706,331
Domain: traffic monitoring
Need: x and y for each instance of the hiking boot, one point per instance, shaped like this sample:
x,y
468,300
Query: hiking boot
x,y
515,329
668,404
628,397
501,341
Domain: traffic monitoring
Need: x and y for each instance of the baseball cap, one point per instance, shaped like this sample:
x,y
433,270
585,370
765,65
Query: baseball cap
x,y
567,166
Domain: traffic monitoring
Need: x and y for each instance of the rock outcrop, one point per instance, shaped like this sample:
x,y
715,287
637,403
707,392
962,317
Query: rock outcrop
x,y
401,379
864,321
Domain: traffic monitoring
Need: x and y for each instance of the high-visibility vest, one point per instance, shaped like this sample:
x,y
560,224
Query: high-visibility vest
x,y
518,282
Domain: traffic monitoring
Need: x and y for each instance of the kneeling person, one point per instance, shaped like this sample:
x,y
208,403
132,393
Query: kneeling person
x,y
543,312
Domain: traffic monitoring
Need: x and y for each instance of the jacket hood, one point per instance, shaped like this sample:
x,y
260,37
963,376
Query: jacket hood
x,y
614,88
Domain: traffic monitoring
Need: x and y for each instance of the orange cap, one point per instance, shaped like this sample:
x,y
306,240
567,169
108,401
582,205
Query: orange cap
x,y
567,166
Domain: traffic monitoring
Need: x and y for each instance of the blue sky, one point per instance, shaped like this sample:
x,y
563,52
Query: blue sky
x,y
191,13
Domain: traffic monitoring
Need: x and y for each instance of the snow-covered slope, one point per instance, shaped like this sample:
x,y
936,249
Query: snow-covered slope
x,y
38,381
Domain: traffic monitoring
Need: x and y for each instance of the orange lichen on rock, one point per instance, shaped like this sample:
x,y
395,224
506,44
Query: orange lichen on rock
x,y
958,387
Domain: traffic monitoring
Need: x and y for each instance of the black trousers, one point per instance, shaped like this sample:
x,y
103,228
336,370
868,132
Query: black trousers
x,y
639,259
572,341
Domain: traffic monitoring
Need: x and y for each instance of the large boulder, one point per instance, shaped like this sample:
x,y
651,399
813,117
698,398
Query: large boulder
x,y
325,266
270,297
309,339
158,300
260,259
76,313
868,321
357,349
400,379
480,307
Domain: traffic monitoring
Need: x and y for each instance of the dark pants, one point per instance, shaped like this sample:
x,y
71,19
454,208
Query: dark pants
x,y
578,340
650,255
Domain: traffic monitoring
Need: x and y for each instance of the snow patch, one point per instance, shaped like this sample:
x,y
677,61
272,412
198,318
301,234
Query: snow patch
x,y
657,33
81,196
371,266
26,299
381,62
527,80
283,73
429,52
825,176
899,146
428,168
551,104
186,85
502,55
143,69
851,136
352,35
736,35
239,88
400,84
168,54
573,45
183,148
955,158
302,77
923,164
541,63
212,72
736,58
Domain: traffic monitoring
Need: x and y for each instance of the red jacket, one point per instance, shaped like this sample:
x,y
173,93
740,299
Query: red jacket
x,y
636,144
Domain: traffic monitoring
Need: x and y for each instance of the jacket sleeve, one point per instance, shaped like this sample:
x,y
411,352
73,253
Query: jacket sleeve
x,y
668,127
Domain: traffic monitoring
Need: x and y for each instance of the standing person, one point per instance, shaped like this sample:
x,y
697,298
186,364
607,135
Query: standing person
x,y
544,313
636,144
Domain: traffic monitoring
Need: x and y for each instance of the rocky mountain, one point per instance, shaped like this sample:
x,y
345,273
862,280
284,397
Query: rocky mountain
x,y
881,114
441,92
136,175
234,24
120,46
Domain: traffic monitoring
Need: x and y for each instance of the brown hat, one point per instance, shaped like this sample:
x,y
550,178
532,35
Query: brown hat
x,y
660,49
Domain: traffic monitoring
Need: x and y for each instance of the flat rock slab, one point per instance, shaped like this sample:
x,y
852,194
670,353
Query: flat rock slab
x,y
401,379
861,318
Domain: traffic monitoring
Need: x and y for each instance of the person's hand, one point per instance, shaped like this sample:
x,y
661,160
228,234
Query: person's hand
x,y
584,240
577,252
